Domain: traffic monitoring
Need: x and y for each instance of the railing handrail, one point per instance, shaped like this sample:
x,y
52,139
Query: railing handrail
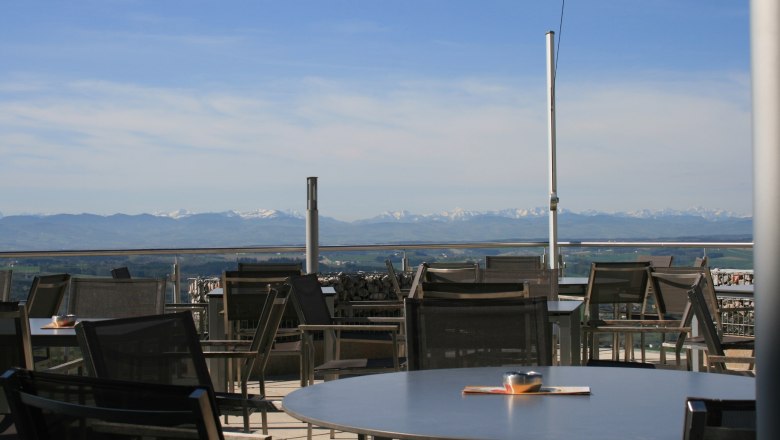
x,y
364,247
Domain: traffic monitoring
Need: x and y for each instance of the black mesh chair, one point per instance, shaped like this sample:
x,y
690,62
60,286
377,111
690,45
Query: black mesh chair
x,y
46,294
161,349
315,319
116,298
714,419
55,406
121,273
15,349
460,333
5,284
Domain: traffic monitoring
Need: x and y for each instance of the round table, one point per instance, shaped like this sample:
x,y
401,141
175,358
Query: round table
x,y
624,403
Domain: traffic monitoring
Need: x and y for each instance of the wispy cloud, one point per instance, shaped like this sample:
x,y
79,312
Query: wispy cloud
x,y
432,143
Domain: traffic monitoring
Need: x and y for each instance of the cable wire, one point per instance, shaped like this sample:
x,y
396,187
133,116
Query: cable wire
x,y
560,34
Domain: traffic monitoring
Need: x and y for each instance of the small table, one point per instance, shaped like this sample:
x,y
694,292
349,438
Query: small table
x,y
567,315
51,337
624,402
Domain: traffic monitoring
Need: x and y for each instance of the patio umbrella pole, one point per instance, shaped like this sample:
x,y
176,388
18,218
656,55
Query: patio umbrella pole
x,y
312,227
553,253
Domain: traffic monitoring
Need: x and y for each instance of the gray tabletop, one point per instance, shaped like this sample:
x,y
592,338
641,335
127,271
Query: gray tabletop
x,y
624,403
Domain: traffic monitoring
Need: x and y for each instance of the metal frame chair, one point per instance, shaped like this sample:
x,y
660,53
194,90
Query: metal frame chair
x,y
15,348
315,318
458,333
715,419
162,349
46,405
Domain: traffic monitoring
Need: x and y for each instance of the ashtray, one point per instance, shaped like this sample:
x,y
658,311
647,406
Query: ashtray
x,y
517,382
63,320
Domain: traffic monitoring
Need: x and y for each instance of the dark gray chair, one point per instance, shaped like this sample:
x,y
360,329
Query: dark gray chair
x,y
160,349
121,273
53,406
315,319
452,272
116,298
714,419
474,290
460,333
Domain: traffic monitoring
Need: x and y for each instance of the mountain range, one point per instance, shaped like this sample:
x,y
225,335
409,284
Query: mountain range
x,y
262,227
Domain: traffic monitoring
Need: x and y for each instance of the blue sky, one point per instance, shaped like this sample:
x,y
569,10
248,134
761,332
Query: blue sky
x,y
140,106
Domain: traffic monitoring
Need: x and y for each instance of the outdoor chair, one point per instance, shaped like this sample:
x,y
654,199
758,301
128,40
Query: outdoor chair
x,y
15,349
460,333
272,269
56,406
474,290
513,262
116,298
613,302
715,419
714,345
46,294
315,319
452,272
700,261
5,284
159,349
121,273
657,260
252,355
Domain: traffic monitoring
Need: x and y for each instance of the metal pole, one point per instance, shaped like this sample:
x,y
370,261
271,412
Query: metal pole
x,y
312,227
765,60
553,254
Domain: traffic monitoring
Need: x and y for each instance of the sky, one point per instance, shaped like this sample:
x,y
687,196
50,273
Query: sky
x,y
148,106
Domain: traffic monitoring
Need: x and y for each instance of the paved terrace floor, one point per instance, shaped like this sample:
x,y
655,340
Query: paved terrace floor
x,y
282,426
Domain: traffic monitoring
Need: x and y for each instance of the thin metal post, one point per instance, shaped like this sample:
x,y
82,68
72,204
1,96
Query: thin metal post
x,y
176,281
312,227
765,60
553,259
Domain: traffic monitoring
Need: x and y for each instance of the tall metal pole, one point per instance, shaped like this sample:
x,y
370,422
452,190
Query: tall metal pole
x,y
312,227
765,60
553,254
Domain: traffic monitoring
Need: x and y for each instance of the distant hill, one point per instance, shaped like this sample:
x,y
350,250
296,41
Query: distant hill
x,y
271,227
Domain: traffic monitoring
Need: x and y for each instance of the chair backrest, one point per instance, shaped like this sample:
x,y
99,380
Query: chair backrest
x,y
617,283
714,419
670,289
446,333
657,260
46,294
272,269
415,290
265,334
474,290
707,286
394,280
452,272
116,298
49,406
121,273
244,295
309,301
513,262
541,282
162,349
700,261
5,284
